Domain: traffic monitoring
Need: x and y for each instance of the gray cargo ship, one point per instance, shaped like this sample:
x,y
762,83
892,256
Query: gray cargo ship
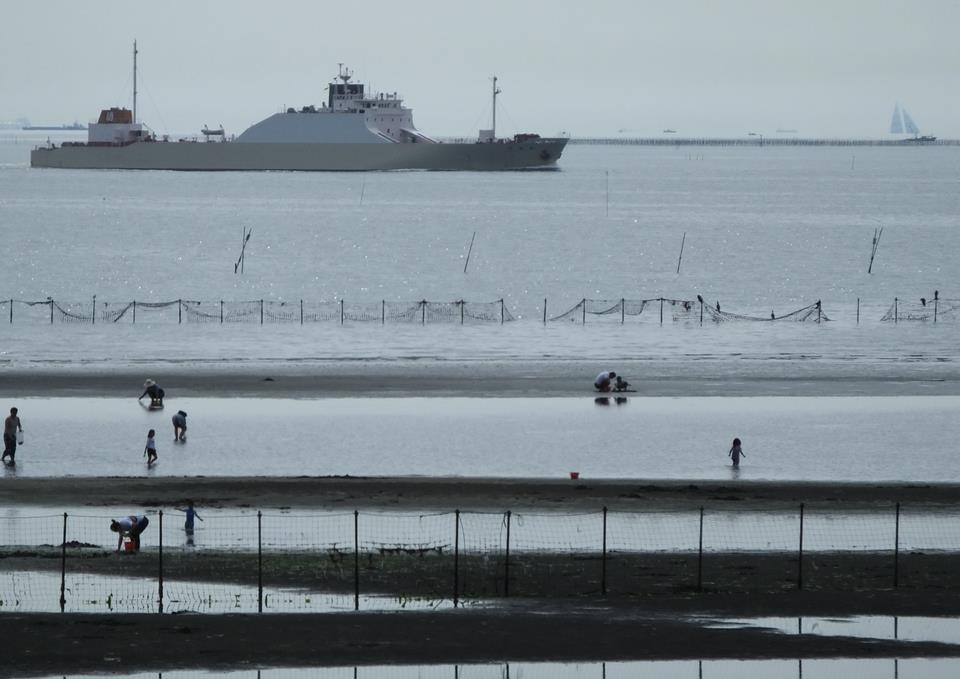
x,y
351,131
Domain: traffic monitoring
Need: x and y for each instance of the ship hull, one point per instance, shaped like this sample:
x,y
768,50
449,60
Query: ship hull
x,y
225,156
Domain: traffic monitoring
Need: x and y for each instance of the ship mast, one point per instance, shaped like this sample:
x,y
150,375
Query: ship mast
x,y
134,81
495,93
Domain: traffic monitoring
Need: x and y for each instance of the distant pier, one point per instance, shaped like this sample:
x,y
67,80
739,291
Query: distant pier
x,y
753,141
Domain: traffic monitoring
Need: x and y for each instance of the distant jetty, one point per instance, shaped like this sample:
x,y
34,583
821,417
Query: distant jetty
x,y
54,128
755,141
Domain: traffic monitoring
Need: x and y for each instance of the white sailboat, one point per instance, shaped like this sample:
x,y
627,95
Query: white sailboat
x,y
902,123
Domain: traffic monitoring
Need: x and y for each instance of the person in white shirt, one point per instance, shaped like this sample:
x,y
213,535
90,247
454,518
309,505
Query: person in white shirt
x,y
129,526
150,450
604,381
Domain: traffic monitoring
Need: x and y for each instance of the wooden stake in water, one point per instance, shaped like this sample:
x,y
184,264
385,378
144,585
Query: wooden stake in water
x,y
873,250
243,248
469,250
606,175
363,186
680,258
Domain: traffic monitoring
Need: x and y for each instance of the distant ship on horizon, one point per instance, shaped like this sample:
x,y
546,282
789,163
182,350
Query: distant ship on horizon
x,y
352,131
73,127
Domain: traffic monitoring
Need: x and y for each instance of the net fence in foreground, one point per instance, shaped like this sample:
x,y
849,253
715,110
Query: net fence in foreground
x,y
283,561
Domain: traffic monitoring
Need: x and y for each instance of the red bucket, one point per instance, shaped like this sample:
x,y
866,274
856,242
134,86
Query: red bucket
x,y
574,475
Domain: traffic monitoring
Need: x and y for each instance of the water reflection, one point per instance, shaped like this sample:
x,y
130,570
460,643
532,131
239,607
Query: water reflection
x,y
902,628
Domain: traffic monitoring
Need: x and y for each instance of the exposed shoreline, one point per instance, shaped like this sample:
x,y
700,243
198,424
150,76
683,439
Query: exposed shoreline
x,y
447,494
529,632
482,380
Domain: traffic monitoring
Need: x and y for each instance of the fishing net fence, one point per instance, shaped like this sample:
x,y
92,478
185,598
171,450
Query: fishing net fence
x,y
922,309
256,311
284,561
654,309
675,310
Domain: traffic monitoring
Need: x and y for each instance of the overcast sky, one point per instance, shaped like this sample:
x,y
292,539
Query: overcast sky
x,y
822,67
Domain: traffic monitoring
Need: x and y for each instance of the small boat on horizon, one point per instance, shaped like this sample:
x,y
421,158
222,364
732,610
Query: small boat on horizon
x,y
902,123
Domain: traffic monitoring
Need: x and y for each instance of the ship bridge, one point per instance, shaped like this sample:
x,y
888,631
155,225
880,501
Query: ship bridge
x,y
349,116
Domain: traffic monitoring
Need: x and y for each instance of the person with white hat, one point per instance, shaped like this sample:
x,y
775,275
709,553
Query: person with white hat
x,y
153,390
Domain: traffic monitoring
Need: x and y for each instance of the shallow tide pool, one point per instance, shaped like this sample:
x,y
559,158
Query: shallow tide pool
x,y
784,438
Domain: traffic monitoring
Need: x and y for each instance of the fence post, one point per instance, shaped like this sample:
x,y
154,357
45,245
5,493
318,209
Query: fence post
x,y
622,312
51,312
261,312
935,302
221,312
383,311
301,312
700,555
356,560
603,561
134,311
501,311
63,566
506,563
661,311
259,562
584,310
462,304
11,310
423,311
160,559
800,556
819,308
180,310
93,316
544,310
896,311
701,312
858,311
341,311
456,557
896,550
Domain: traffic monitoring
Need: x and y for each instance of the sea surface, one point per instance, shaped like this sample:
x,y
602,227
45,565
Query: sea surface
x,y
764,230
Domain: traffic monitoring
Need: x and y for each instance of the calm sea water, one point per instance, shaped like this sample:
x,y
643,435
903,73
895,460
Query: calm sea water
x,y
838,439
767,229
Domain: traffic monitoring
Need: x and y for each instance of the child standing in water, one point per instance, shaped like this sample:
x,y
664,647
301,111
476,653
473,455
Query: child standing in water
x,y
191,515
736,452
150,450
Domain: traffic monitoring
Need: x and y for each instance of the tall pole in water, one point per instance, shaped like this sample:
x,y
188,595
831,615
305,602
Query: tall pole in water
x,y
134,81
495,93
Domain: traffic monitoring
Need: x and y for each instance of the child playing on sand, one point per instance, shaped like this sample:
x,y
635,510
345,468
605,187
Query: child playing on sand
x,y
736,452
150,450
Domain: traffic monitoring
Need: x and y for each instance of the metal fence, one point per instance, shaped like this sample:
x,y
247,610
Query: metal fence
x,y
341,561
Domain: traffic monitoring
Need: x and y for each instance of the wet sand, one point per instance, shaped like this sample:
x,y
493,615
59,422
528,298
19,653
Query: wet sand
x,y
447,494
479,379
530,631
